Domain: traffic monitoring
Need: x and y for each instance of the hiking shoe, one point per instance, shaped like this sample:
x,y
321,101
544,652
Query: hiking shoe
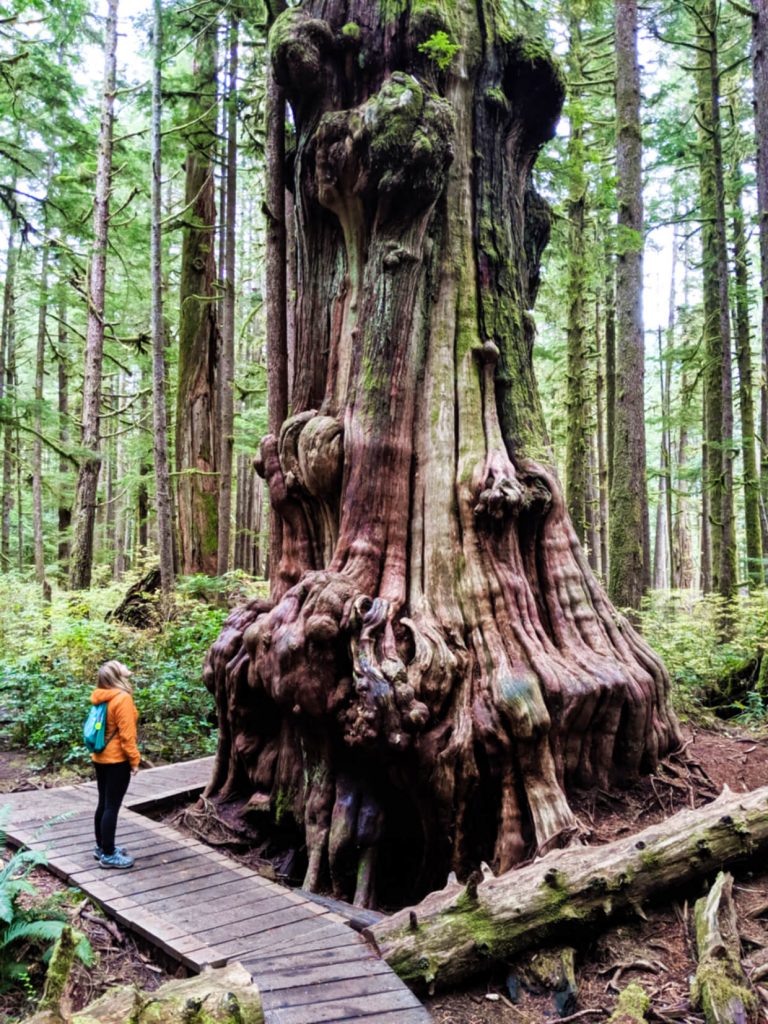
x,y
116,860
98,853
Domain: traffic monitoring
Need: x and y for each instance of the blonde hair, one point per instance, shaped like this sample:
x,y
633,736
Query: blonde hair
x,y
114,675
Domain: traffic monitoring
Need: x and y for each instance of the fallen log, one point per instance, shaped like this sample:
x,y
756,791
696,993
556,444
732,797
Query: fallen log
x,y
720,987
224,995
465,929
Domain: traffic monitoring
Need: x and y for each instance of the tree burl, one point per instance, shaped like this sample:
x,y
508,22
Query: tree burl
x,y
437,663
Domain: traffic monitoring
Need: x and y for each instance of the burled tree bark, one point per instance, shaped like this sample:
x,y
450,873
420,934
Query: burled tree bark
x,y
436,662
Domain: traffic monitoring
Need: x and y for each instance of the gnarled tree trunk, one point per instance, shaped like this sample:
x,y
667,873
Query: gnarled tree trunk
x,y
437,661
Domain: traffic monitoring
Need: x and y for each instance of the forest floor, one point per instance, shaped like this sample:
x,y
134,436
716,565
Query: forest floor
x,y
657,953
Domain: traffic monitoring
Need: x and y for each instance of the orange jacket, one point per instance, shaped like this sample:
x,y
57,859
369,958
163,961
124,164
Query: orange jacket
x,y
122,717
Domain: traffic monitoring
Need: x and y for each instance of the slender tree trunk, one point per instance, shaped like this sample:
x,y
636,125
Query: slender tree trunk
x,y
20,547
65,506
665,353
84,513
755,570
227,392
7,383
159,411
436,662
705,554
717,312
197,404
37,450
662,555
683,542
760,75
593,506
276,279
577,391
602,457
629,554
610,378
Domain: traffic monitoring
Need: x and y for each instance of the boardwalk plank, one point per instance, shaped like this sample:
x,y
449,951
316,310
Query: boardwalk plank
x,y
353,1006
332,990
355,952
308,974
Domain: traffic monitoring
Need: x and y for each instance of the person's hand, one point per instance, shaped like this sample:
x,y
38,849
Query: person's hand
x,y
134,771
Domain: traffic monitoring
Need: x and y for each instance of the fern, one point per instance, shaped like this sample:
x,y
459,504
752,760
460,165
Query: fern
x,y
31,929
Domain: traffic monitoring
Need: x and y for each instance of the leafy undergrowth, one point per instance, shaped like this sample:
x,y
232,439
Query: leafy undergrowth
x,y
685,629
49,657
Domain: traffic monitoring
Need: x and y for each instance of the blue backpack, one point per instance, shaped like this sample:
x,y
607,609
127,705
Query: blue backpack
x,y
95,729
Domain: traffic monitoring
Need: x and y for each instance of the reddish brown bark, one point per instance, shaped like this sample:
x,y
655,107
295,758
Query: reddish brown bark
x,y
437,661
197,407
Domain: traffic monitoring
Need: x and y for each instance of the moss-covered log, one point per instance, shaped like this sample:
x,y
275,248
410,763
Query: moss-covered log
x,y
720,986
632,1006
436,663
223,996
464,929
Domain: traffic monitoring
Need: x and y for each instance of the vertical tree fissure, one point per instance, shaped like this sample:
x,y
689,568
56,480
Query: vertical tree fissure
x,y
436,662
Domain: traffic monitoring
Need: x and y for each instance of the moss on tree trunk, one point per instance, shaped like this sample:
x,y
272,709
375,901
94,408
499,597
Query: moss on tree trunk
x,y
436,662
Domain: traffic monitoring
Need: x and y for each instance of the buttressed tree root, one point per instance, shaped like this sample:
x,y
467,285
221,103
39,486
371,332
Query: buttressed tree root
x,y
437,662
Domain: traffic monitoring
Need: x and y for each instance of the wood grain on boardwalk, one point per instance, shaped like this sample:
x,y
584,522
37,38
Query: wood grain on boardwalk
x,y
202,908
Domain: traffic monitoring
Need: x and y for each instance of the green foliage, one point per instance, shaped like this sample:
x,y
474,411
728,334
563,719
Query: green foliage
x,y
29,925
440,48
49,658
685,630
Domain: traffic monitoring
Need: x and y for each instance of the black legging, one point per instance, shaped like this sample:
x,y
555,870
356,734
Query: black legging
x,y
112,780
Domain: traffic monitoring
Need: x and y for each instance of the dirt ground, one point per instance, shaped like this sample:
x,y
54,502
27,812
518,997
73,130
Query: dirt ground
x,y
657,952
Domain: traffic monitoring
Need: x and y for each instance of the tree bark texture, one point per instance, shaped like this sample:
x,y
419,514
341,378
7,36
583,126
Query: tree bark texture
x,y
760,79
717,311
577,392
84,512
629,554
37,448
755,570
7,388
227,375
461,930
276,272
159,412
437,661
65,508
197,405
602,459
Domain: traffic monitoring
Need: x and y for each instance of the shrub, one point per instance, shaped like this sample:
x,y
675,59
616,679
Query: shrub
x,y
28,924
685,630
49,657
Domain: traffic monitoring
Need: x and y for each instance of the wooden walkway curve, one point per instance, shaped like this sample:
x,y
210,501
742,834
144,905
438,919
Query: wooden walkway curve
x,y
203,908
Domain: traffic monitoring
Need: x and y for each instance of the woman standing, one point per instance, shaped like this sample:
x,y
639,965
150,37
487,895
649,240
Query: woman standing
x,y
117,762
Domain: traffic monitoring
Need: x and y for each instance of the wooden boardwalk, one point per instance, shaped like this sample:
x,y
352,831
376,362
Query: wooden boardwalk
x,y
202,908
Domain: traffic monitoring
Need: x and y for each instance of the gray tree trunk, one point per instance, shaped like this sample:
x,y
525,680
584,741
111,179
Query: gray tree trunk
x,y
84,513
629,501
227,390
159,411
37,449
